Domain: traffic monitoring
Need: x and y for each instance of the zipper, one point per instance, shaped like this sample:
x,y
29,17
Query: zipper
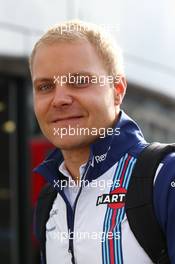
x,y
71,246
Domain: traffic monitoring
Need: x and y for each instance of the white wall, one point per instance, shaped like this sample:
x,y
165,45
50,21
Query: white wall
x,y
147,36
145,30
23,21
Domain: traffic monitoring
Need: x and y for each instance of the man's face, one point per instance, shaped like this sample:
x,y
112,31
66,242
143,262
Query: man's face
x,y
60,106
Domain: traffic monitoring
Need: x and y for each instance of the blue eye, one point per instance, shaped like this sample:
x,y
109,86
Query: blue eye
x,y
79,81
83,84
45,87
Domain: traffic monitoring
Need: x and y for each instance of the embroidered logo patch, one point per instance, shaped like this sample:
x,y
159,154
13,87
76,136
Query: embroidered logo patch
x,y
115,199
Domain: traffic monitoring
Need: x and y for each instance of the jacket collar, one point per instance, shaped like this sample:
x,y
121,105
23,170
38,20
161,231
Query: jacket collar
x,y
104,153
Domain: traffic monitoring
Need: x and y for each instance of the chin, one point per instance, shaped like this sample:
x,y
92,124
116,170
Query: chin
x,y
71,143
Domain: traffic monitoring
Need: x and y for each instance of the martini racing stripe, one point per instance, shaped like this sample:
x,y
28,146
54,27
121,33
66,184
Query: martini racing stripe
x,y
105,248
111,247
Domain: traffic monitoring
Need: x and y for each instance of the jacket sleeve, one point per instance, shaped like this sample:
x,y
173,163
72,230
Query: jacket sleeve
x,y
164,202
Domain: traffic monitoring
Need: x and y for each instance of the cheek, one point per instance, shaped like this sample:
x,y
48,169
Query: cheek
x,y
40,110
101,108
103,103
36,108
108,109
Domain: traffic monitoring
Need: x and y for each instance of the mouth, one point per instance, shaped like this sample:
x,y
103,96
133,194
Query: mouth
x,y
67,119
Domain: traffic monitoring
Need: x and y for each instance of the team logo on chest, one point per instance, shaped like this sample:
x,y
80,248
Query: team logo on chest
x,y
115,199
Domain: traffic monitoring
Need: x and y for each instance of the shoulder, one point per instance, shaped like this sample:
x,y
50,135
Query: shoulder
x,y
46,190
164,189
165,173
42,209
164,201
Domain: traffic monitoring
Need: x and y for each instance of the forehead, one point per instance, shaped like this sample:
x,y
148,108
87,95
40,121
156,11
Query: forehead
x,y
64,57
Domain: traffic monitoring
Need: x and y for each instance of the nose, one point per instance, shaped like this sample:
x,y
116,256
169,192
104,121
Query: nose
x,y
61,96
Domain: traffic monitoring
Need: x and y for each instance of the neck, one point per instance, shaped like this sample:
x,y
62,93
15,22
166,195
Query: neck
x,y
74,159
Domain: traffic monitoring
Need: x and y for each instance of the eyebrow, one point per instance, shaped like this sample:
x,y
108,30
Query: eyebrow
x,y
83,73
38,80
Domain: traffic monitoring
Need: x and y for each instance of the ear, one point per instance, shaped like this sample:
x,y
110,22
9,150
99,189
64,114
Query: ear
x,y
120,90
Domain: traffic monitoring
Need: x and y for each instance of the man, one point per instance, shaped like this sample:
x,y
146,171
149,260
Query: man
x,y
78,88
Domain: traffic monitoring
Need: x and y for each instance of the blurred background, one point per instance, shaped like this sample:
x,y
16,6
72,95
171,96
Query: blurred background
x,y
146,32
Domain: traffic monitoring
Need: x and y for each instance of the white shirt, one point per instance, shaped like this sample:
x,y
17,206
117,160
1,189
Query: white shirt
x,y
71,190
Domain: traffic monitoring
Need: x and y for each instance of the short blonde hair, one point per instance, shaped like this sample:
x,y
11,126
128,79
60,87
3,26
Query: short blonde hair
x,y
74,30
